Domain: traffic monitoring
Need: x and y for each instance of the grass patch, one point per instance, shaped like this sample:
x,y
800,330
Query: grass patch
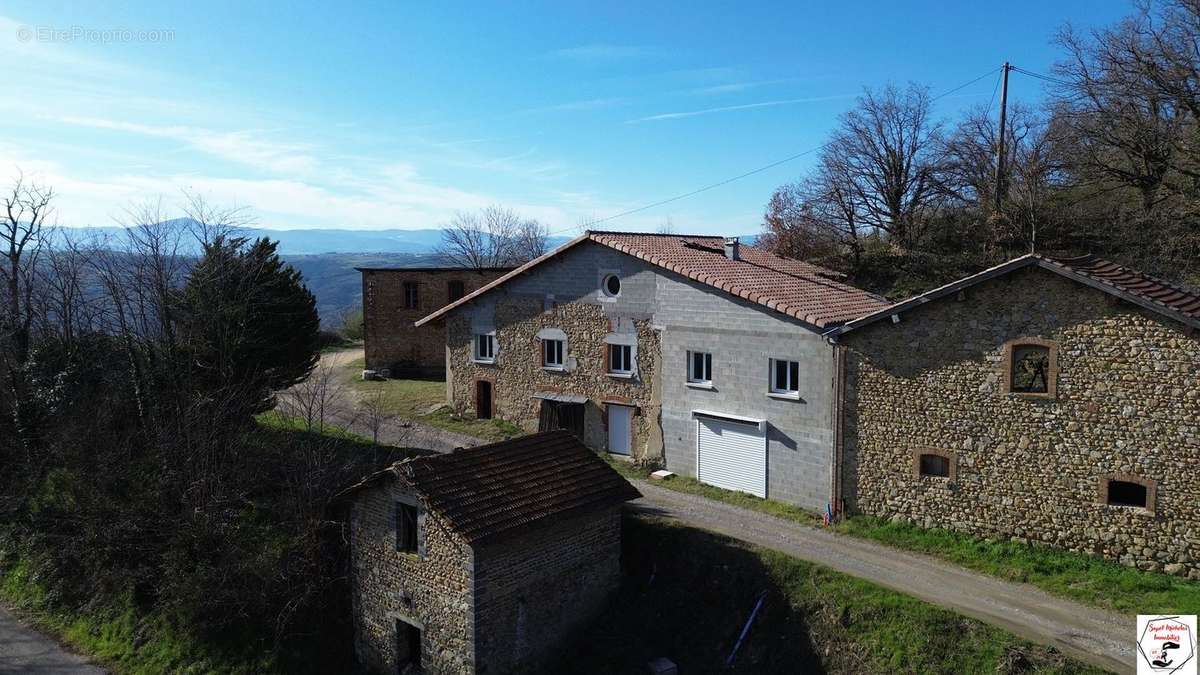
x,y
425,401
744,500
1087,579
278,421
1084,578
691,608
118,638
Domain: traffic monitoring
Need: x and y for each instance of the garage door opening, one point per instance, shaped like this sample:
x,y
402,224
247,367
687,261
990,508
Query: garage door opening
x,y
731,453
559,415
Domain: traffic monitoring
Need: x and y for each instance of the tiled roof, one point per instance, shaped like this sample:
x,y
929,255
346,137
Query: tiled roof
x,y
490,489
1140,289
792,287
1131,281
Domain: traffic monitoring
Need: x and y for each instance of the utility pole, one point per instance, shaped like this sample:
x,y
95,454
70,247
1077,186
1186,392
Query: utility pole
x,y
1000,143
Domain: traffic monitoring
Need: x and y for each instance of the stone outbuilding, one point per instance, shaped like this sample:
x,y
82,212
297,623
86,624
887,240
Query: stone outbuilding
x,y
395,297
482,559
1046,400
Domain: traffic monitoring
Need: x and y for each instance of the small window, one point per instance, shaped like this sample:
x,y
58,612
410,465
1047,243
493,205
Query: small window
x,y
1030,369
785,377
455,290
1126,493
552,353
612,285
699,368
406,528
935,465
620,359
411,296
485,347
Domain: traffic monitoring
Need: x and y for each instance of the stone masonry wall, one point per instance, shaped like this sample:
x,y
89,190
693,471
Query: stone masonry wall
x,y
1127,405
535,588
390,338
432,591
518,374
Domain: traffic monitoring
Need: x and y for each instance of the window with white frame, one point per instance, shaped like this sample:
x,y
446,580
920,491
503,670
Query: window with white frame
x,y
785,377
485,347
552,353
620,359
699,368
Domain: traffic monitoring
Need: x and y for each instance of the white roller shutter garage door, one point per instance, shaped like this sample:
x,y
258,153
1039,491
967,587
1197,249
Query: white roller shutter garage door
x,y
731,455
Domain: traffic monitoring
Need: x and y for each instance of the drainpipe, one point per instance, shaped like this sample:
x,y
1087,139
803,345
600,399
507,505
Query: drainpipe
x,y
839,423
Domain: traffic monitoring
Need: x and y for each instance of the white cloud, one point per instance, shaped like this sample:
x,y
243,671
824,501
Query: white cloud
x,y
605,52
745,106
243,147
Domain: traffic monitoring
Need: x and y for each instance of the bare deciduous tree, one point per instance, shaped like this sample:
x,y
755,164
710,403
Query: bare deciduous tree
x,y
375,414
886,153
818,217
23,240
494,237
316,400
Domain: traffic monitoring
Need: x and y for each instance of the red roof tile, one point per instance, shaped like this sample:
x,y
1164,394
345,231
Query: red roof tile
x,y
1157,291
1170,300
792,287
500,487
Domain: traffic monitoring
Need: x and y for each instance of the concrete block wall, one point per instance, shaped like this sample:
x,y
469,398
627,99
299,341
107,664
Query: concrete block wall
x,y
742,340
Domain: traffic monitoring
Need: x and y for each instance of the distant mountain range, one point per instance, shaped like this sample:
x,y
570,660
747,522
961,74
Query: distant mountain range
x,y
310,242
327,258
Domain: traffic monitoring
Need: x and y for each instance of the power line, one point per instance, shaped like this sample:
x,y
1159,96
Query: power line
x,y
752,172
1041,76
995,89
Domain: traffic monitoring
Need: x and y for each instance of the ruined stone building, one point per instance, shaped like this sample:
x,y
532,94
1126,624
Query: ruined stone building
x,y
482,559
394,298
1054,401
697,352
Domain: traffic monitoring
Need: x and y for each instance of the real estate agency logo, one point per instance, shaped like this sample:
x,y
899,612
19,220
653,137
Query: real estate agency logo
x,y
1166,644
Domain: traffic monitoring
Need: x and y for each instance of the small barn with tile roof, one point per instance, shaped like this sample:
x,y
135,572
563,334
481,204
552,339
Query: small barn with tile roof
x,y
1053,400
480,560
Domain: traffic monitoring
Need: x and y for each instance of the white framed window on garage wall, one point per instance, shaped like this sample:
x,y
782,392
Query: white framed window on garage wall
x,y
784,378
699,369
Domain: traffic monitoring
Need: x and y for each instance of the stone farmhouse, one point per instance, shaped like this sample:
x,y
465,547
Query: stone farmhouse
x,y
394,298
697,352
482,559
1048,400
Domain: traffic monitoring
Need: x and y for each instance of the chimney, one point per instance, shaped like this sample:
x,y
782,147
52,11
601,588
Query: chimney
x,y
731,249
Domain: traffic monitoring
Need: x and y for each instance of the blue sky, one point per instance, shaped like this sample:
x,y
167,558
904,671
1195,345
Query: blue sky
x,y
396,115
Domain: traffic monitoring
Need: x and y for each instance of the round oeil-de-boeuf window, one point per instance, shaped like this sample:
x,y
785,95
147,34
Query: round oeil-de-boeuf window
x,y
612,285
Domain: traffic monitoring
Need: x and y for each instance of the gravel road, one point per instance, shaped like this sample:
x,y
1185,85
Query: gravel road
x,y
24,650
